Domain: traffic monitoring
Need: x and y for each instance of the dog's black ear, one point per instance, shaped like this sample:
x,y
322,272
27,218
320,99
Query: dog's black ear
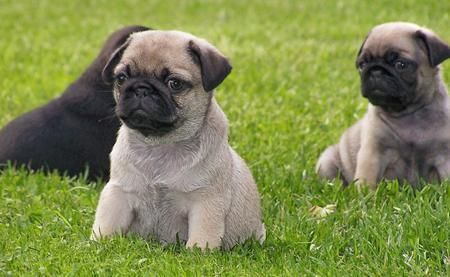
x,y
108,70
437,50
93,73
213,65
117,38
360,49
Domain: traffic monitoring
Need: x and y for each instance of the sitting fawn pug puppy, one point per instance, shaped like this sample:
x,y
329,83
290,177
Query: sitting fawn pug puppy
x,y
405,134
173,174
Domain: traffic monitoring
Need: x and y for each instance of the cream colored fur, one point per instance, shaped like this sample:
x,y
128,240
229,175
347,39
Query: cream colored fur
x,y
189,185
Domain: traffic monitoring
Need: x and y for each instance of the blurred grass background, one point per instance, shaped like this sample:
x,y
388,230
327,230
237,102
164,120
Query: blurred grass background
x,y
293,90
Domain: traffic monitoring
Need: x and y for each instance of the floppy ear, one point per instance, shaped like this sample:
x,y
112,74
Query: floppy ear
x,y
437,50
360,49
119,37
213,65
107,73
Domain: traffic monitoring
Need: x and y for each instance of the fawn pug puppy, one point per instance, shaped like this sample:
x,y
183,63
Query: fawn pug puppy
x,y
405,133
173,173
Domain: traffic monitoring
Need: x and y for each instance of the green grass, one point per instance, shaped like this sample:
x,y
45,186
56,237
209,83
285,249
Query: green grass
x,y
292,92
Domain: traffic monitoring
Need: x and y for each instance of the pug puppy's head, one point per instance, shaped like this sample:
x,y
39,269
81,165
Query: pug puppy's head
x,y
164,82
398,65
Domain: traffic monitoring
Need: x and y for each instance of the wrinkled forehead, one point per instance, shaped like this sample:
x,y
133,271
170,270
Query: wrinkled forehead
x,y
154,51
392,37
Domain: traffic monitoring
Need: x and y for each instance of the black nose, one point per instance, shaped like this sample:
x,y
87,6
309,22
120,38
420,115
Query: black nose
x,y
142,91
378,71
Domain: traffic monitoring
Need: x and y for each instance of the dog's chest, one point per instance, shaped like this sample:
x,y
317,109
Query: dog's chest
x,y
161,207
418,131
418,146
166,182
164,193
176,167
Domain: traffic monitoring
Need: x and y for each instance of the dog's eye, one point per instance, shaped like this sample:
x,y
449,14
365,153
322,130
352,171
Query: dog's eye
x,y
362,65
175,84
121,78
400,65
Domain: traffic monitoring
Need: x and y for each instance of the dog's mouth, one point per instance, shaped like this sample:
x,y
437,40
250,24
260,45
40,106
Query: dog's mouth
x,y
389,102
143,122
386,88
386,92
387,98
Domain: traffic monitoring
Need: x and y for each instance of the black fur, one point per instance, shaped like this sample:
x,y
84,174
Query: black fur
x,y
146,104
386,85
107,72
74,131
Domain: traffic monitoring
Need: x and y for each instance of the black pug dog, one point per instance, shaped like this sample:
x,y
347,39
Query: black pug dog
x,y
73,132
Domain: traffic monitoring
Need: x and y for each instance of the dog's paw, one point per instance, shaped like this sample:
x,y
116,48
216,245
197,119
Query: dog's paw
x,y
362,186
94,237
201,244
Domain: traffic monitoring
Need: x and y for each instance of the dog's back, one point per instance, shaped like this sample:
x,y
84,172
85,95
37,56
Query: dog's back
x,y
74,131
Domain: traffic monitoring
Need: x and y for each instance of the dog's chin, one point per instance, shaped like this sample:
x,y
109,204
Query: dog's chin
x,y
147,126
386,101
150,129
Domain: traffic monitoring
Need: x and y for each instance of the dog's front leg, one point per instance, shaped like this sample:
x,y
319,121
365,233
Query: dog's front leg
x,y
114,213
206,224
369,166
